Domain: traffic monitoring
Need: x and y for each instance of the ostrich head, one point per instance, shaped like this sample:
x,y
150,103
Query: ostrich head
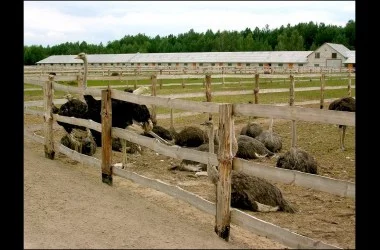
x,y
81,56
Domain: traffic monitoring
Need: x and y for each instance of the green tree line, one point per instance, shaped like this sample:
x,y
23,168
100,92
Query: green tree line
x,y
300,37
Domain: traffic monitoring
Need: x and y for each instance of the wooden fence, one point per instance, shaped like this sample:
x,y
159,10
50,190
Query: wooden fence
x,y
224,159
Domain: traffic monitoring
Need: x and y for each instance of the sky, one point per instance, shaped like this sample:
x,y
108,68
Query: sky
x,y
55,22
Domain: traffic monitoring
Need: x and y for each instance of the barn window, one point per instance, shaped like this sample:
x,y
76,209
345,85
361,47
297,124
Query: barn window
x,y
111,64
317,55
316,65
169,64
212,64
92,64
185,64
132,64
72,64
201,64
260,64
280,64
247,64
159,64
333,55
300,64
123,63
230,64
145,64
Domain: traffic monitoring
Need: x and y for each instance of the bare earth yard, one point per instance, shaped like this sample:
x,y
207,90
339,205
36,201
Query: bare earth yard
x,y
67,205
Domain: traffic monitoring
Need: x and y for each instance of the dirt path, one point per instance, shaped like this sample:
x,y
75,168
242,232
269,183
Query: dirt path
x,y
67,206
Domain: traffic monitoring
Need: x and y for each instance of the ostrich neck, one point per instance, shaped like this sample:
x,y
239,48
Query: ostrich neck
x,y
271,125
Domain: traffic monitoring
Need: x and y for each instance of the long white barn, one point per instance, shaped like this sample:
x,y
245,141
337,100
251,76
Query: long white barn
x,y
327,55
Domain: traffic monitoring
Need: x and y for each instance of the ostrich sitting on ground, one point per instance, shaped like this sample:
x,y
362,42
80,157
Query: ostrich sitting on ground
x,y
270,139
298,159
78,138
250,148
253,193
252,129
194,166
343,104
161,132
190,136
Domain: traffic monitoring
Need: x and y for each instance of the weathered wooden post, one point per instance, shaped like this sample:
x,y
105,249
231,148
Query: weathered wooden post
x,y
160,79
48,119
183,82
226,153
208,92
154,93
135,85
349,83
171,119
322,91
256,89
106,112
223,76
291,103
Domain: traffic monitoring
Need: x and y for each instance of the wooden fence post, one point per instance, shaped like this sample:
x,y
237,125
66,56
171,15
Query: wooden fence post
x,y
161,79
226,153
223,76
349,83
154,93
208,92
322,91
183,83
48,125
106,113
135,85
291,103
256,89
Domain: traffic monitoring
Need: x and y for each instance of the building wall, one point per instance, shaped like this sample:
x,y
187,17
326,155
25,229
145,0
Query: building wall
x,y
325,53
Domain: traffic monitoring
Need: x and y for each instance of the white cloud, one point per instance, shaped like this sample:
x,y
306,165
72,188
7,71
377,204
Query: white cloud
x,y
103,21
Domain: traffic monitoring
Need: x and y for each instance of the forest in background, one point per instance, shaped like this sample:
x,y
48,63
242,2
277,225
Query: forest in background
x,y
300,37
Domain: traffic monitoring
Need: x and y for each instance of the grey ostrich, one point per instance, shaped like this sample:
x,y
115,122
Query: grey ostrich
x,y
343,104
251,129
253,193
270,139
251,148
298,159
190,136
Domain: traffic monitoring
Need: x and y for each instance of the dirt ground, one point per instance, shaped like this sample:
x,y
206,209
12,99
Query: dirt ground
x,y
101,218
67,206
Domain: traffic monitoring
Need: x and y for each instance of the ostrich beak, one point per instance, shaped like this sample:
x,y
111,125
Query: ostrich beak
x,y
77,57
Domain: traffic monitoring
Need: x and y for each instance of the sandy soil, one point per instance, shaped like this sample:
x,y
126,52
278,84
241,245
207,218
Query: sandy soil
x,y
67,206
65,198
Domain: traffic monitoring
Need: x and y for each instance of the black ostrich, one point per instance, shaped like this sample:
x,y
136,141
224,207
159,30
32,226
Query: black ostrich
x,y
252,129
298,159
251,148
270,139
72,108
343,104
78,138
253,193
124,114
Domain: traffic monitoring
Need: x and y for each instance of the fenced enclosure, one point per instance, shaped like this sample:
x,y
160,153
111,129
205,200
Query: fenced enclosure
x,y
226,113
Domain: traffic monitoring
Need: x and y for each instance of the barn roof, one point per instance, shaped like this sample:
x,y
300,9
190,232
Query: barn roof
x,y
350,57
343,50
206,57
